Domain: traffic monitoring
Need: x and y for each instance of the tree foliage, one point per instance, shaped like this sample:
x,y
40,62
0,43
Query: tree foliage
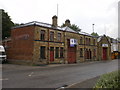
x,y
63,25
73,26
94,34
6,24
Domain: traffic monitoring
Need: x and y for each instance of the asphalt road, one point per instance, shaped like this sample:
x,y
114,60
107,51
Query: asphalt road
x,y
53,76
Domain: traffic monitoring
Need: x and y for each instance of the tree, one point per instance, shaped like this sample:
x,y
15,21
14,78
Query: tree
x,y
94,34
63,25
6,25
73,26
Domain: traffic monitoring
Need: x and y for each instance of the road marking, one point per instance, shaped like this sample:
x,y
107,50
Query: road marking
x,y
3,79
30,74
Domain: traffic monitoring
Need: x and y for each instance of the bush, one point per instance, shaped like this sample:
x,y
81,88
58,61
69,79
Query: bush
x,y
109,80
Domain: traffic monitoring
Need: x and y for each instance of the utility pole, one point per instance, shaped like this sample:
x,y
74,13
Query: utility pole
x,y
93,27
57,10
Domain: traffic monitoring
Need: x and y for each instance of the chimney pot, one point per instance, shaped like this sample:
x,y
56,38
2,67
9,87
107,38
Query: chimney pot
x,y
54,21
67,22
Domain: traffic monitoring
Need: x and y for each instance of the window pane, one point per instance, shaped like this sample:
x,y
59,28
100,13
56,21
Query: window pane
x,y
81,40
42,52
57,52
61,52
94,42
42,35
51,36
59,36
81,52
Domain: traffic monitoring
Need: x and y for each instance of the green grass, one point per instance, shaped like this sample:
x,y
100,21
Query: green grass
x,y
109,80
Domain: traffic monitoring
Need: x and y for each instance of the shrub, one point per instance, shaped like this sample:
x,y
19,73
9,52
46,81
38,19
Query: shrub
x,y
109,80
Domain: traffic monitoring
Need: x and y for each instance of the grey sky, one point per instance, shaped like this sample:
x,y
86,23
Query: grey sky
x,y
103,13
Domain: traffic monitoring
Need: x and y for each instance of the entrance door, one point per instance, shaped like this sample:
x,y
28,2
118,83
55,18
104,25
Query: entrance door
x,y
51,54
71,55
104,53
90,56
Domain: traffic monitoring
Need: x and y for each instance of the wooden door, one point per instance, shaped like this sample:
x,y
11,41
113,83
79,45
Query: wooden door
x,y
71,54
104,53
51,54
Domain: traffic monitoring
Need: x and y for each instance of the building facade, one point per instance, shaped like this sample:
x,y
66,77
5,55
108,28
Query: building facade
x,y
42,43
104,48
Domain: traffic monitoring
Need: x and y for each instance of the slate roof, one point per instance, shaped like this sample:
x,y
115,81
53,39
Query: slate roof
x,y
100,37
52,27
68,29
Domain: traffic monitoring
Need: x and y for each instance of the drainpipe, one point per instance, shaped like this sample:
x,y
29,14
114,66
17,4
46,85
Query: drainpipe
x,y
84,48
64,47
48,50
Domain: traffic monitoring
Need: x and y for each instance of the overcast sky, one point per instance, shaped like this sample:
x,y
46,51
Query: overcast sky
x,y
103,13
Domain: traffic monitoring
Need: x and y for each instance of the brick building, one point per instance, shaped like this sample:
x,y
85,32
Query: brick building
x,y
104,48
42,43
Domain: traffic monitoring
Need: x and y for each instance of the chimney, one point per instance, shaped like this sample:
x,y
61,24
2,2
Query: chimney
x,y
54,21
67,23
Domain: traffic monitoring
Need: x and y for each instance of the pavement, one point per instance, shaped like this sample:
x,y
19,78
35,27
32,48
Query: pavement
x,y
89,83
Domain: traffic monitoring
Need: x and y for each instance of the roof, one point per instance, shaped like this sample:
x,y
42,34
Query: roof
x,y
98,40
87,34
114,40
66,28
39,24
100,37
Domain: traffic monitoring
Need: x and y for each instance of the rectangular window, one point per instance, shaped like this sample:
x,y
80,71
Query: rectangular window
x,y
57,52
59,36
89,42
94,52
81,52
86,41
42,35
81,40
61,52
93,41
42,52
51,36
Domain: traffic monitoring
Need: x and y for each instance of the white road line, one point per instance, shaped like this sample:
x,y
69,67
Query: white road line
x,y
30,74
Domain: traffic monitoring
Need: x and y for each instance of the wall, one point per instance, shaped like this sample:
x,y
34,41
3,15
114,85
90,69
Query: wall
x,y
47,43
104,40
21,44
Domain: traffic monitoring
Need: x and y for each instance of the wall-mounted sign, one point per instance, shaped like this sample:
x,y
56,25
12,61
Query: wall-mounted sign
x,y
73,42
104,45
22,37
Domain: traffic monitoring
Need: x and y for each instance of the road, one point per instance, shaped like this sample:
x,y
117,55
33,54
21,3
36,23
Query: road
x,y
53,76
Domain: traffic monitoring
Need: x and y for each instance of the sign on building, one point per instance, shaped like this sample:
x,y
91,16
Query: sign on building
x,y
73,42
104,45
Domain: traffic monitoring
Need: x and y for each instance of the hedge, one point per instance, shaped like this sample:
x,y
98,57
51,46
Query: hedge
x,y
109,80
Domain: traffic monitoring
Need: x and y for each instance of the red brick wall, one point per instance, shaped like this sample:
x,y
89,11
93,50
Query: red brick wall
x,y
21,43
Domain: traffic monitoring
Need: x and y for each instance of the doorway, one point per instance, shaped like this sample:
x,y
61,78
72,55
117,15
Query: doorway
x,y
71,53
51,54
104,54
